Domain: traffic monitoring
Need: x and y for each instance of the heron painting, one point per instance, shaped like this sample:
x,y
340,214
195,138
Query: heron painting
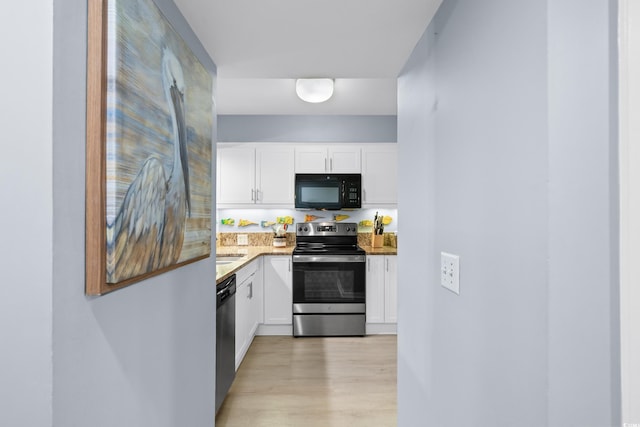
x,y
158,137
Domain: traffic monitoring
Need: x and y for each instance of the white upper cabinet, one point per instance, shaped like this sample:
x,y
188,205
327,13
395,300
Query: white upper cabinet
x,y
274,175
262,174
255,174
236,175
379,174
322,158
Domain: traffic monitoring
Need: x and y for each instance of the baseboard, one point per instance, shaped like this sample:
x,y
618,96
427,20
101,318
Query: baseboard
x,y
274,330
381,328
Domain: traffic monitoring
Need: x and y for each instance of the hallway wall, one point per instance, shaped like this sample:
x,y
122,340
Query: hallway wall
x,y
506,120
26,193
143,355
630,207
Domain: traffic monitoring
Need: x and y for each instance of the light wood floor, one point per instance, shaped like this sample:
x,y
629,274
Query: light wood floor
x,y
314,382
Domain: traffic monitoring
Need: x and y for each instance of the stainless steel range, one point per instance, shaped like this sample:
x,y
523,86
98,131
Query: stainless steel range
x,y
328,280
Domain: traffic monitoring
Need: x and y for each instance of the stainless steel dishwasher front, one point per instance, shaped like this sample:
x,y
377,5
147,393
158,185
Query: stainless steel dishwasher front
x,y
225,338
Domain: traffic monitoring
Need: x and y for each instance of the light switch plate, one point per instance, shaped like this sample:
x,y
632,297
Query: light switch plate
x,y
243,240
450,272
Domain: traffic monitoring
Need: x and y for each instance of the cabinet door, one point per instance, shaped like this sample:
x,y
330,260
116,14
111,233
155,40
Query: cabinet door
x,y
257,298
278,297
236,175
242,320
311,159
391,289
344,159
274,175
375,289
379,174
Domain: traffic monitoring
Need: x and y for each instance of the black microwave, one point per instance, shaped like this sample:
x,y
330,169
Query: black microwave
x,y
328,191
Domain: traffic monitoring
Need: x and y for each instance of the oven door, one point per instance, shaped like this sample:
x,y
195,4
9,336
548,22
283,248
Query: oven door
x,y
329,279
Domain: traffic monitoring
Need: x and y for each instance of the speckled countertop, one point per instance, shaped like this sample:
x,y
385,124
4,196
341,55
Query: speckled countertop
x,y
385,250
249,253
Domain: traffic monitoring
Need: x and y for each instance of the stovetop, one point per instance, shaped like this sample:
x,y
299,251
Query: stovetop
x,y
329,249
327,238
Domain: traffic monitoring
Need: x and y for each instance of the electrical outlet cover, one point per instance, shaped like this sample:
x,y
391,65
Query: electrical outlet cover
x,y
450,272
243,240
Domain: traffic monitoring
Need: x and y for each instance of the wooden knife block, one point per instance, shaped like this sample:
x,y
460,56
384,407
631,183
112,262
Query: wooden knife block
x,y
377,240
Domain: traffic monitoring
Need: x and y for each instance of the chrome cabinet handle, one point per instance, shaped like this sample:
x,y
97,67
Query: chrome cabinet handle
x,y
331,165
253,195
257,195
325,163
289,265
387,261
369,265
250,290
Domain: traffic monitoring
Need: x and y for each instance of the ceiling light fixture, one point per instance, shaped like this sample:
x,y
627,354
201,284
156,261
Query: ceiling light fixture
x,y
314,90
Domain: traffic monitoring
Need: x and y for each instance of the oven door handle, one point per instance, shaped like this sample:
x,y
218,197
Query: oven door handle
x,y
328,258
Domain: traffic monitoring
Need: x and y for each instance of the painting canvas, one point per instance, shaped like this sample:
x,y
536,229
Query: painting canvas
x,y
155,153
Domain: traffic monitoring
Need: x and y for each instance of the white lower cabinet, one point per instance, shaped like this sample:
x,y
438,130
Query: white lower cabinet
x,y
391,289
264,298
278,297
249,296
382,294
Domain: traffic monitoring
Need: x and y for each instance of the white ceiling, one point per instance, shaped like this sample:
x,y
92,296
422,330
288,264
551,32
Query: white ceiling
x,y
262,46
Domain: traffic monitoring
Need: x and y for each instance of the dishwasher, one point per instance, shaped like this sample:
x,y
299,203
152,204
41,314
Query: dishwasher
x,y
225,338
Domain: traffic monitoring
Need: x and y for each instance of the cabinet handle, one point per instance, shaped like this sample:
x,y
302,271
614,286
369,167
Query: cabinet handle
x,y
331,165
250,290
387,262
289,265
364,195
369,265
257,195
325,163
253,194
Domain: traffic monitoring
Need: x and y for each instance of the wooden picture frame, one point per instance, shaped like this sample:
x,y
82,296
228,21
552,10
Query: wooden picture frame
x,y
148,148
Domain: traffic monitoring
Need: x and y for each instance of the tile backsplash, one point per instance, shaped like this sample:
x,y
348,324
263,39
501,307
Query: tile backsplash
x,y
266,239
253,239
252,220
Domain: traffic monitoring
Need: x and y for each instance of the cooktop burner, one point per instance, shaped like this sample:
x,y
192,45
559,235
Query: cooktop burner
x,y
327,238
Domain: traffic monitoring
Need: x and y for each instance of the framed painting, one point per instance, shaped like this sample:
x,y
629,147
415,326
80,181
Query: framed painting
x,y
149,141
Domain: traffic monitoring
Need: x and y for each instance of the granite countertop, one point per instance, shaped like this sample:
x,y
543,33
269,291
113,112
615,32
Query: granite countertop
x,y
249,253
385,250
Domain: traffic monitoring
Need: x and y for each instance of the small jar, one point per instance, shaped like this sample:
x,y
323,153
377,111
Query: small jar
x,y
280,242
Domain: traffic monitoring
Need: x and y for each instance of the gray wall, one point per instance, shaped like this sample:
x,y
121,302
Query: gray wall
x,y
584,344
510,146
269,128
26,194
143,355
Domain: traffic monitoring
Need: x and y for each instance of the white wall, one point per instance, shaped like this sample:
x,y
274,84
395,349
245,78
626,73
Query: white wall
x,y
505,122
630,207
143,355
583,344
26,194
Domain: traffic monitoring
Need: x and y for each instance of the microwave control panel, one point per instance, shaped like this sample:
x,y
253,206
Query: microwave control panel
x,y
352,193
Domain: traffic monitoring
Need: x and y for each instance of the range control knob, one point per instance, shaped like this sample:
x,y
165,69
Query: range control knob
x,y
306,229
299,228
348,229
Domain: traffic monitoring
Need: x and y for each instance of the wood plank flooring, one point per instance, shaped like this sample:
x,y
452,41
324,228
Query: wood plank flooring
x,y
314,382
